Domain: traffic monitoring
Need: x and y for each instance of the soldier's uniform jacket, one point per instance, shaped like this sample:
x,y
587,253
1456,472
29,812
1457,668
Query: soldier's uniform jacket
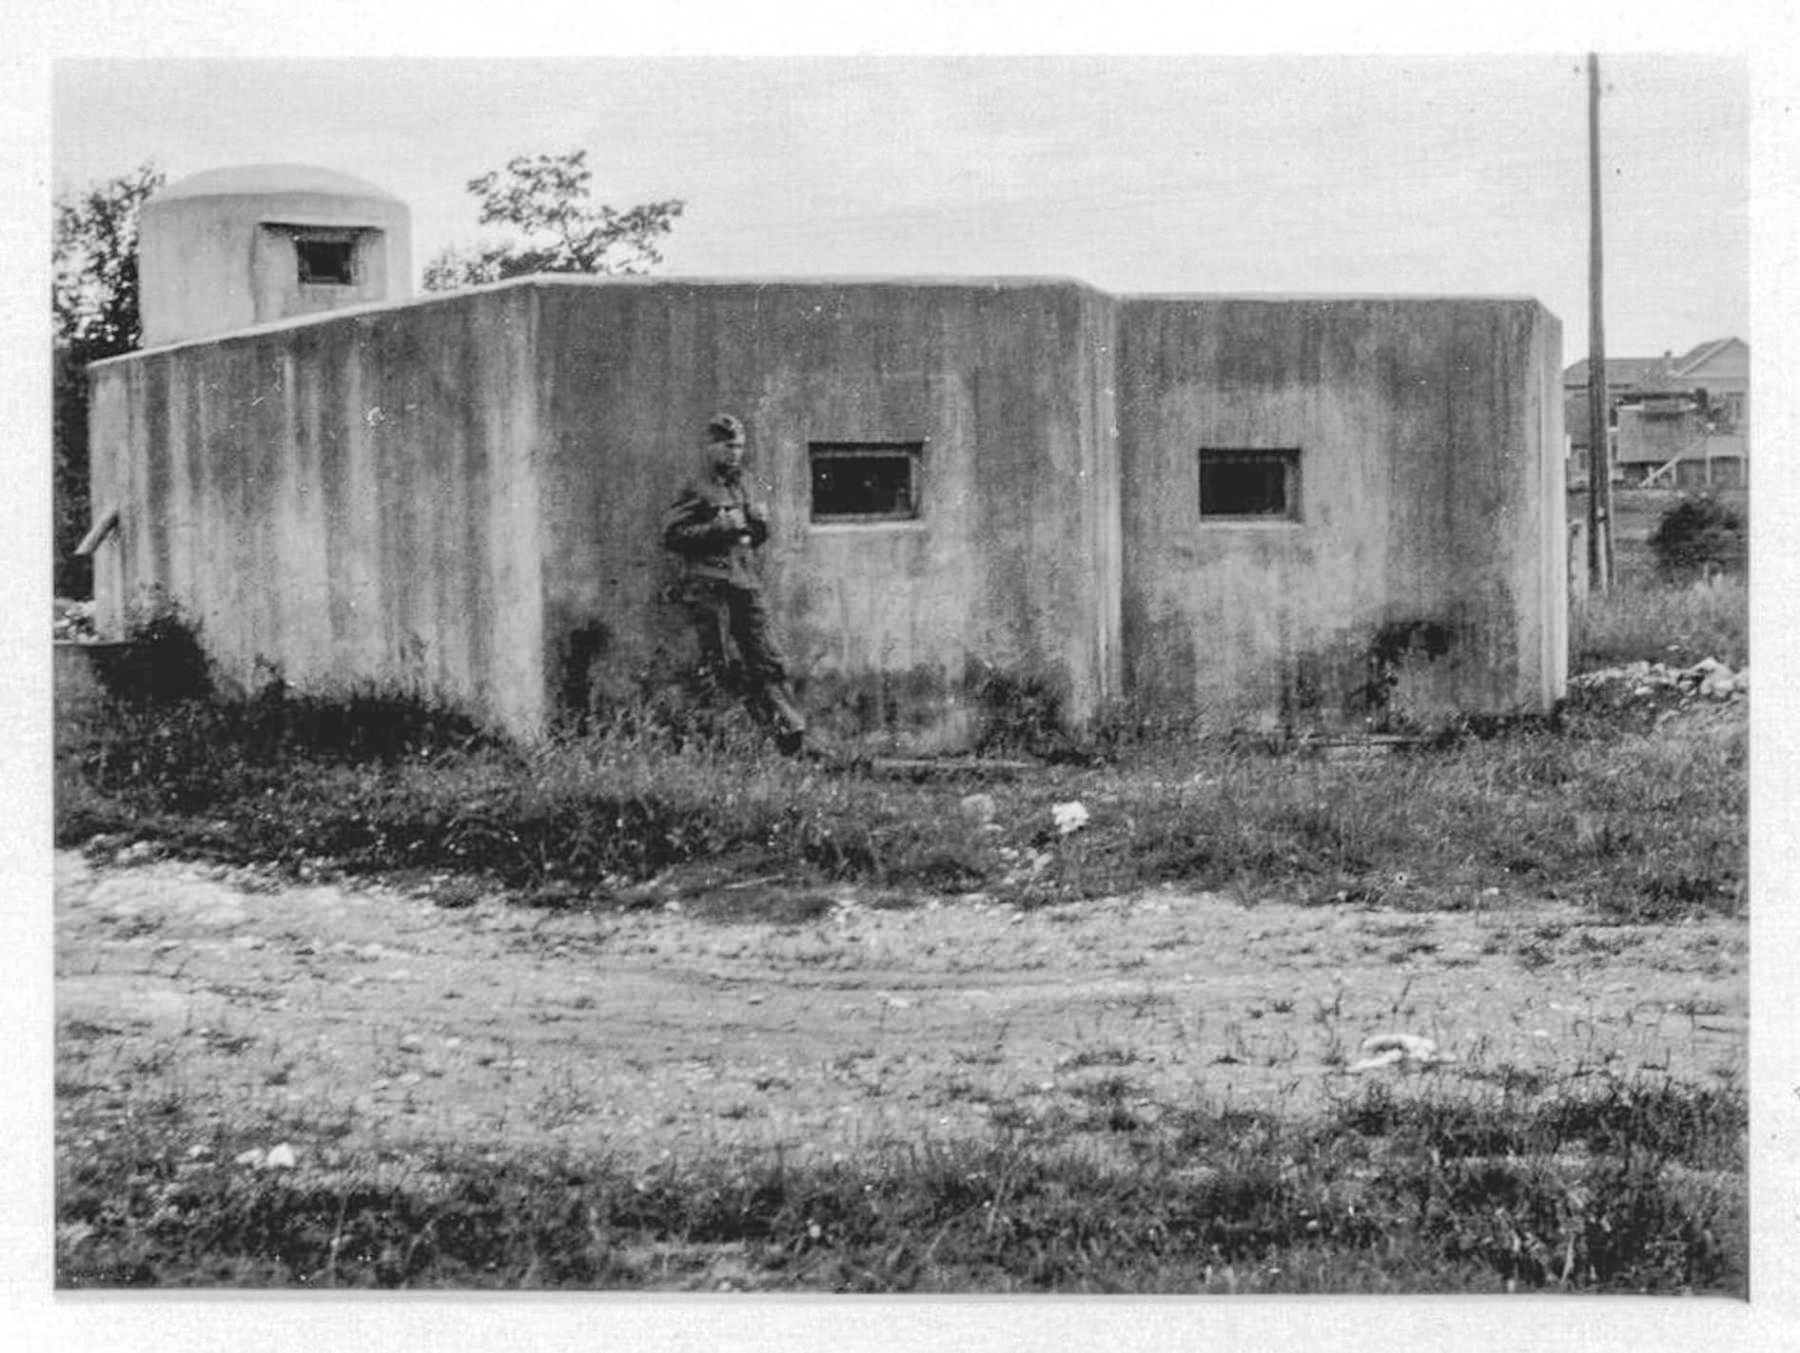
x,y
712,548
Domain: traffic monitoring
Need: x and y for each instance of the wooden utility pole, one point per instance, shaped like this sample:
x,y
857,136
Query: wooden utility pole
x,y
1599,517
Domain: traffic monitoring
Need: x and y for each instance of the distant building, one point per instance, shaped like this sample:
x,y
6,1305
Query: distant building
x,y
1676,421
1319,512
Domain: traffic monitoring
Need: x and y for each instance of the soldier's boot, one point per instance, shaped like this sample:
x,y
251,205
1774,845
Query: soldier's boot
x,y
784,718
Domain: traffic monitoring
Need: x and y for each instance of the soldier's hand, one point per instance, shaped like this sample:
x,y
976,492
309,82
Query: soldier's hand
x,y
732,518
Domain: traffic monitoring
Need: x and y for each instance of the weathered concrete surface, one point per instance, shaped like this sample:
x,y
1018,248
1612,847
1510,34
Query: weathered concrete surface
x,y
1425,575
341,502
1011,565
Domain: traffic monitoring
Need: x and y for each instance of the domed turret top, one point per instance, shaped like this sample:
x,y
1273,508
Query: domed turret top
x,y
249,244
264,180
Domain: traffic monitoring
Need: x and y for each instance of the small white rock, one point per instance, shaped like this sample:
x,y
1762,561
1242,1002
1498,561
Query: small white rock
x,y
1397,1050
1414,1046
281,1157
978,808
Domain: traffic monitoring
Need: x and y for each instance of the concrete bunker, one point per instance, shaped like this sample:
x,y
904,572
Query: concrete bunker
x,y
1323,511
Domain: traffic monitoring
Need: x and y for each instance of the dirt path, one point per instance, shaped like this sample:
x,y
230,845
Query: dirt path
x,y
373,1018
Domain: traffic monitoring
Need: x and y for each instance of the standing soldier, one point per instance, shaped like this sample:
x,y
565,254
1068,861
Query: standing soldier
x,y
716,528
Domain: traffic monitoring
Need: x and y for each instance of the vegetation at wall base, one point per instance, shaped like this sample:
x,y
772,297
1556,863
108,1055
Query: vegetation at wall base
x,y
1637,1188
1639,813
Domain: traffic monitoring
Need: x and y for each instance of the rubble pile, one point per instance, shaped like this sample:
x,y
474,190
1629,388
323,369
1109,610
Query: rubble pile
x,y
73,621
1709,678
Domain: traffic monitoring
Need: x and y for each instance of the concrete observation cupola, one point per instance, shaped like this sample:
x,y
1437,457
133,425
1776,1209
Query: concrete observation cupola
x,y
230,248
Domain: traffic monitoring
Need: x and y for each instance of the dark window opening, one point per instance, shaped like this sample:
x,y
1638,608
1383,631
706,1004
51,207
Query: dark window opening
x,y
1252,484
865,481
327,261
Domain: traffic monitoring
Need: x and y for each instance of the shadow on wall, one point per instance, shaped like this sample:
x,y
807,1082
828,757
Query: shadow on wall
x,y
928,711
601,680
1387,682
920,711
1400,678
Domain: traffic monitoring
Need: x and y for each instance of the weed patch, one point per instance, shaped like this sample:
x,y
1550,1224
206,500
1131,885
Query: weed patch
x,y
1638,811
1644,620
1640,1189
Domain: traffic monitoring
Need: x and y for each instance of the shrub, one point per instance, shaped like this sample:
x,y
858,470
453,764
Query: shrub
x,y
163,662
1699,535
1020,714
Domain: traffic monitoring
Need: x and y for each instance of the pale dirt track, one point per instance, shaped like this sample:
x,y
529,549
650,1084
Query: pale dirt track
x,y
352,1019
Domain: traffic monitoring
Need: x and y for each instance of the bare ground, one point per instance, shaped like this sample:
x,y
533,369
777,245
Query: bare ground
x,y
373,1019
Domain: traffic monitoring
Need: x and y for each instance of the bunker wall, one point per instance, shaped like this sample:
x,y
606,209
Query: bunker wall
x,y
907,631
1417,570
344,503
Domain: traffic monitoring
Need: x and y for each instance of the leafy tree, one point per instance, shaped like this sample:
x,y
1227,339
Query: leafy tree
x,y
94,314
545,198
1699,535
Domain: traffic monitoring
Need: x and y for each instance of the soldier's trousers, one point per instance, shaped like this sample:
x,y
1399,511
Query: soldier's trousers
x,y
724,617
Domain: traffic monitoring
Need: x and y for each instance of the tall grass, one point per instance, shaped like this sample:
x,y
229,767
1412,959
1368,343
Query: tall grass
x,y
1643,619
1646,824
1638,809
1635,817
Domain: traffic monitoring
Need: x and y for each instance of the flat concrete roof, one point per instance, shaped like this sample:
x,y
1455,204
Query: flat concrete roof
x,y
994,283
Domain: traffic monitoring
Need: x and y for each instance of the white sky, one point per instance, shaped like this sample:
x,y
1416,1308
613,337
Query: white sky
x,y
1383,174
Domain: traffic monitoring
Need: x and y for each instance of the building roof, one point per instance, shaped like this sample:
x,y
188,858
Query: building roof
x,y
265,180
1704,353
1638,371
1652,373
